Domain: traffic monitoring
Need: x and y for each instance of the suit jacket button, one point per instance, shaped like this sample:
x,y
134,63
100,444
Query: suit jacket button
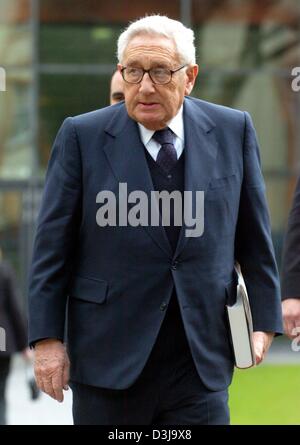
x,y
174,265
163,306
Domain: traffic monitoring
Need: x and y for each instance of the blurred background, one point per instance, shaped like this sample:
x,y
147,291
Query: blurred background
x,y
59,56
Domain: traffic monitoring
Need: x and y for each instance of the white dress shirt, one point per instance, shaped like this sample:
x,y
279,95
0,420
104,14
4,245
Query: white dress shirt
x,y
175,124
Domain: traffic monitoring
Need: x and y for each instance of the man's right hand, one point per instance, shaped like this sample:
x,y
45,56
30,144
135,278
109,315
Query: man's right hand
x,y
51,367
291,317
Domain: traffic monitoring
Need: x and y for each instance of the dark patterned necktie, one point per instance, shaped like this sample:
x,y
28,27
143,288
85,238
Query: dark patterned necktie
x,y
167,156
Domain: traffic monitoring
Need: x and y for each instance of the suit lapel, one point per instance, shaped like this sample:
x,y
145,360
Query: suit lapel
x,y
125,154
200,154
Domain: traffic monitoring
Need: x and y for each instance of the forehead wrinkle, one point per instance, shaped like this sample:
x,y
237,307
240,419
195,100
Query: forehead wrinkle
x,y
156,53
149,48
148,62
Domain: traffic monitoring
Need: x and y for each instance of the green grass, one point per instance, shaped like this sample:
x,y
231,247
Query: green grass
x,y
266,395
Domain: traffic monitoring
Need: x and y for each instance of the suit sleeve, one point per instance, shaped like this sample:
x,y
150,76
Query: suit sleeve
x,y
253,247
56,238
291,251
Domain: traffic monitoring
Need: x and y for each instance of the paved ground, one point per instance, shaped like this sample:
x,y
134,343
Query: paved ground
x,y
45,411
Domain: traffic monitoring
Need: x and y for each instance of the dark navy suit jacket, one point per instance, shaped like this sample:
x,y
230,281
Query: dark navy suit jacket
x,y
116,279
291,251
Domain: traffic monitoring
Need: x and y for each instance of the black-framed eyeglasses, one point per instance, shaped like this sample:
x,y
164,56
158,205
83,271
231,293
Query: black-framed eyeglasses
x,y
158,75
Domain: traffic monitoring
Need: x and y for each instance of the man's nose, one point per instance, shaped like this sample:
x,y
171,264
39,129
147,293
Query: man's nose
x,y
146,85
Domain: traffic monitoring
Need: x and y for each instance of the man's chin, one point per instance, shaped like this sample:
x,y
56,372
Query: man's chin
x,y
150,122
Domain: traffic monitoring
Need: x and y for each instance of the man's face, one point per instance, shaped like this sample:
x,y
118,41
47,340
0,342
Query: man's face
x,y
116,88
150,104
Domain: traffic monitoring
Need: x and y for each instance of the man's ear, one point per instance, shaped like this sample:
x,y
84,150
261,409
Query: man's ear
x,y
191,75
119,67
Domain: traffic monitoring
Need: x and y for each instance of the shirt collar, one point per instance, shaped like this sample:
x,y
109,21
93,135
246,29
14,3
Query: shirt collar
x,y
175,124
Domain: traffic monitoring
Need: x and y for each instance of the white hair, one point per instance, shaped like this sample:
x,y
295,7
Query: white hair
x,y
161,26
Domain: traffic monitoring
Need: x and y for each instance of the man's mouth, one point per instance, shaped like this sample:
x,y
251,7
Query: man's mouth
x,y
148,105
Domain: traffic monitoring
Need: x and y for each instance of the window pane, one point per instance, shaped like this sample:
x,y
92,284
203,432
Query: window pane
x,y
15,131
78,44
243,35
15,45
16,59
67,95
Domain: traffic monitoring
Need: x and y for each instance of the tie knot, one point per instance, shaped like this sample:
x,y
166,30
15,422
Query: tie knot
x,y
164,136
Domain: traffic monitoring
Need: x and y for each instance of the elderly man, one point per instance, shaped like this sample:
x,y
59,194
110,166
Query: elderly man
x,y
148,338
116,88
291,270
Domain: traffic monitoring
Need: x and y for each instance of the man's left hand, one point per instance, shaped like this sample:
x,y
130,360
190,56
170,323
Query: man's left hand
x,y
261,341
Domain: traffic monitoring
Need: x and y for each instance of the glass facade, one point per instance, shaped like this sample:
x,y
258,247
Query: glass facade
x,y
59,56
16,58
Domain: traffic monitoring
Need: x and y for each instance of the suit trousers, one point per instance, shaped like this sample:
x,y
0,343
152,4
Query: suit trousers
x,y
169,390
